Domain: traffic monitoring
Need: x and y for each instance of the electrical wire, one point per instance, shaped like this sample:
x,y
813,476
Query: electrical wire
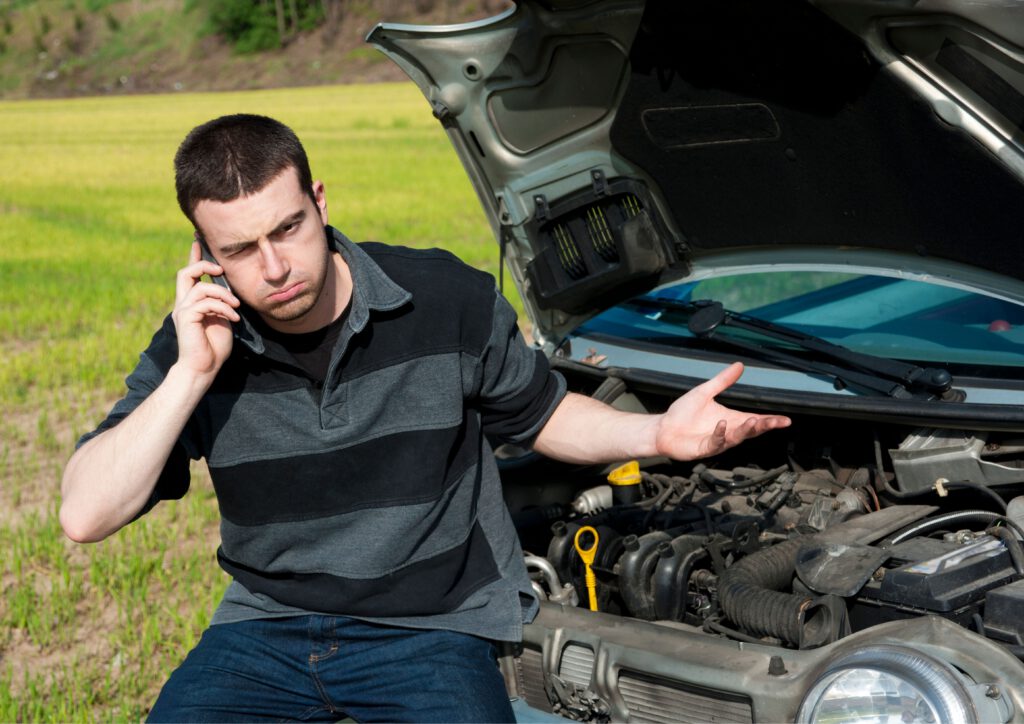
x,y
715,626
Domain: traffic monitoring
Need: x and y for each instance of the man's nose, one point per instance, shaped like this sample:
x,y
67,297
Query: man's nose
x,y
275,266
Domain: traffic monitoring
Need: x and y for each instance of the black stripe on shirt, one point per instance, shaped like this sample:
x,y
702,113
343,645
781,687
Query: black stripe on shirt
x,y
400,469
432,586
507,420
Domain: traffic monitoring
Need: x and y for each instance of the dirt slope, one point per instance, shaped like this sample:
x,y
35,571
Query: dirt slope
x,y
57,48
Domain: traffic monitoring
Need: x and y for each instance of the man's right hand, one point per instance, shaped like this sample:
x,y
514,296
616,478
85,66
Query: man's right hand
x,y
109,479
202,316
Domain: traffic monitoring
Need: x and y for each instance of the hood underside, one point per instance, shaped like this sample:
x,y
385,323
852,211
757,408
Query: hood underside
x,y
613,142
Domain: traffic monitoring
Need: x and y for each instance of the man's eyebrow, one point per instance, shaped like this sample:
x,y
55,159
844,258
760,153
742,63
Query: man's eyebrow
x,y
295,218
229,249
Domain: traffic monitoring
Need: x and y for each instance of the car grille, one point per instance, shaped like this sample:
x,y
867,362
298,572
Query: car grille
x,y
577,665
650,699
531,679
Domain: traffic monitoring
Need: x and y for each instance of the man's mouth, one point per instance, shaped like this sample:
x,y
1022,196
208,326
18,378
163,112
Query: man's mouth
x,y
288,293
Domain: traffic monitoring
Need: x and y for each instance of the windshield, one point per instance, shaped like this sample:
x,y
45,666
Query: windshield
x,y
897,318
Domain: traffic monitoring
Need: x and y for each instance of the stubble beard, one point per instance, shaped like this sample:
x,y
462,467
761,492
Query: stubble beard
x,y
303,304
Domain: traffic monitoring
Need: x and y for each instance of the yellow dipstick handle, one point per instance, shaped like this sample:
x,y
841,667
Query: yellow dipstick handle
x,y
587,556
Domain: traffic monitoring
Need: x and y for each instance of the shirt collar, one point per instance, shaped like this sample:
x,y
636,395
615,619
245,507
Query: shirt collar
x,y
372,289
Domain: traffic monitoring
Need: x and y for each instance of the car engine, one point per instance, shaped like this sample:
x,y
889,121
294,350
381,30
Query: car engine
x,y
794,540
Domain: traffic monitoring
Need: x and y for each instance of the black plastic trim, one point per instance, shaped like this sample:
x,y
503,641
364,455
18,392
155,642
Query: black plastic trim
x,y
1008,418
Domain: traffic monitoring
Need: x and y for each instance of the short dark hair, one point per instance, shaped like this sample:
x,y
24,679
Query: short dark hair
x,y
235,156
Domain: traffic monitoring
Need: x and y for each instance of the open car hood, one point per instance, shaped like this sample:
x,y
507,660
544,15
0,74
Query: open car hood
x,y
614,143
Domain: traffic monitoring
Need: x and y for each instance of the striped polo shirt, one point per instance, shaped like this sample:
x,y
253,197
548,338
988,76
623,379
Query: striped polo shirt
x,y
373,494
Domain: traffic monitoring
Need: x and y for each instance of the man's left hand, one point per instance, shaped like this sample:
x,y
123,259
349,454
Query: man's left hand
x,y
696,426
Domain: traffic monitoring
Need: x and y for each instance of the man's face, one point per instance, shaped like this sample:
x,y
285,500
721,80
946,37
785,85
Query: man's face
x,y
273,248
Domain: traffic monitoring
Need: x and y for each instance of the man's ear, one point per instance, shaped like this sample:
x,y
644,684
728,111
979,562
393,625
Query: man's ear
x,y
320,196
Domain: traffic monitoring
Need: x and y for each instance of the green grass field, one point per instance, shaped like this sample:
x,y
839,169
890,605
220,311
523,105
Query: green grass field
x,y
90,237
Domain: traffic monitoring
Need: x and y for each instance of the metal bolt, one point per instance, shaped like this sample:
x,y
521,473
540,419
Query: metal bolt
x,y
992,692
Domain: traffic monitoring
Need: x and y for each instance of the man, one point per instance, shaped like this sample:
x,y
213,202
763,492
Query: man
x,y
342,396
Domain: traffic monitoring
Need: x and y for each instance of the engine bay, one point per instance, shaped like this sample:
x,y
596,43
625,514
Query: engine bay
x,y
795,540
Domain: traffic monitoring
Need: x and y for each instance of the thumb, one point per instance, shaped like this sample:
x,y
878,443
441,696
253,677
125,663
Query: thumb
x,y
724,379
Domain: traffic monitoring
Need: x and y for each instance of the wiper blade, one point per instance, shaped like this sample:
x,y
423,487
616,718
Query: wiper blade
x,y
896,379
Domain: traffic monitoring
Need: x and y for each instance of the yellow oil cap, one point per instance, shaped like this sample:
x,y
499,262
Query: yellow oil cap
x,y
628,474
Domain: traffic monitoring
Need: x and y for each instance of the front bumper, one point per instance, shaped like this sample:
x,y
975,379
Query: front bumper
x,y
600,667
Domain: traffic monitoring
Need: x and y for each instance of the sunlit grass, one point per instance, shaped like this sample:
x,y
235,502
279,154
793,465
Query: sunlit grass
x,y
90,237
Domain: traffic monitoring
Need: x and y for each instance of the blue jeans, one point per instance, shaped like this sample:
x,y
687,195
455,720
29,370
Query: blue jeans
x,y
324,668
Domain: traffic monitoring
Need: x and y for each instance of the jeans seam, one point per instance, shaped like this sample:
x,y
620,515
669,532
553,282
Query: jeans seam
x,y
320,657
319,685
313,710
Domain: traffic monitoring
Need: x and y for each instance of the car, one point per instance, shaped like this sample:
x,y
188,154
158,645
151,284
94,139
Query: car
x,y
830,192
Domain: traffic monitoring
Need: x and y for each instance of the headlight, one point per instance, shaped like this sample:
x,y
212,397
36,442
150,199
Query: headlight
x,y
888,684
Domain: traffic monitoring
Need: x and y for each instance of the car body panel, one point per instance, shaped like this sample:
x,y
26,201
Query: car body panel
x,y
723,160
697,678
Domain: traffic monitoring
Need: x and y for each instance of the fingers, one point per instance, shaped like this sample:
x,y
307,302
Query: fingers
x,y
723,380
189,276
206,298
752,427
210,307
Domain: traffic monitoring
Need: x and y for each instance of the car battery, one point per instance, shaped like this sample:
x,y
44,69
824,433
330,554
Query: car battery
x,y
929,575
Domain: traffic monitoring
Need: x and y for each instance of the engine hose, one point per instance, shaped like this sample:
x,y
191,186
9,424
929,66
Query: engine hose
x,y
659,502
958,517
884,486
748,592
710,478
950,485
547,571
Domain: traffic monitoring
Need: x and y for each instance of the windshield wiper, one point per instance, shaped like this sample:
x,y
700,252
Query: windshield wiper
x,y
896,379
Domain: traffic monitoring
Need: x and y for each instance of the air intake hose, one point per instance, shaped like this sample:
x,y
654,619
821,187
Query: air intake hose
x,y
748,592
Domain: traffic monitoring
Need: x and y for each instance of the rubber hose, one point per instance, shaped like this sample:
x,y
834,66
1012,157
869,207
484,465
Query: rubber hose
x,y
987,517
748,592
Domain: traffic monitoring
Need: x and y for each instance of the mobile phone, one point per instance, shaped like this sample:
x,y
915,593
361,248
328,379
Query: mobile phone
x,y
207,256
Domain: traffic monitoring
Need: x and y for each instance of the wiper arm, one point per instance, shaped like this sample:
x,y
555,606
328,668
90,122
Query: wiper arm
x,y
877,374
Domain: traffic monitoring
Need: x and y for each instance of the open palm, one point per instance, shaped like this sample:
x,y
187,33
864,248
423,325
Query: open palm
x,y
695,426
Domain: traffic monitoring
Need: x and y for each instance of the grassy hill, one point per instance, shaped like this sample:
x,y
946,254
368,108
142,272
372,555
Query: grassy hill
x,y
61,48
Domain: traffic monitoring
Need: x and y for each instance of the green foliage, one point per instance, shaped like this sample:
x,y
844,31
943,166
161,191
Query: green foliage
x,y
252,27
44,24
79,22
113,24
94,6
